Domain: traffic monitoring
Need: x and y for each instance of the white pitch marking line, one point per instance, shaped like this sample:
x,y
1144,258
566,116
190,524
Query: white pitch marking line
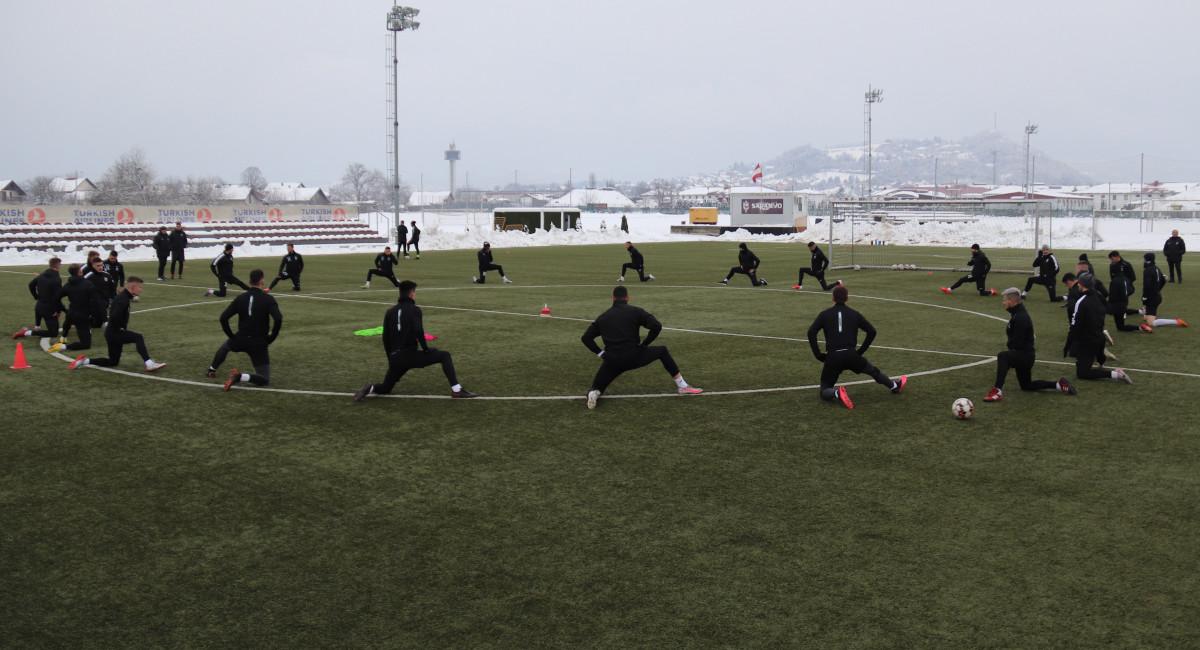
x,y
984,358
517,398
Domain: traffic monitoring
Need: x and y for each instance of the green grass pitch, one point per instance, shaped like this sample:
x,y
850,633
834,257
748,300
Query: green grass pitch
x,y
138,512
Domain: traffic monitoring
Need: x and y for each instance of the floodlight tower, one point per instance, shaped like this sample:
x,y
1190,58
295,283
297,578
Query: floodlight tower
x,y
399,19
1030,129
452,156
873,96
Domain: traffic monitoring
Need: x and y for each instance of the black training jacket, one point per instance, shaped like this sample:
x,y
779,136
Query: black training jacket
x,y
485,257
840,325
1152,281
106,287
980,264
1047,265
80,294
291,264
178,241
116,271
118,313
386,263
1087,323
1020,330
404,328
416,234
819,262
45,288
1122,271
259,318
635,257
222,265
1174,249
162,244
747,260
620,329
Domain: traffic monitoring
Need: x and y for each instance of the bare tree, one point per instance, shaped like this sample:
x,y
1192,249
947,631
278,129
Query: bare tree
x,y
38,190
129,180
254,177
361,184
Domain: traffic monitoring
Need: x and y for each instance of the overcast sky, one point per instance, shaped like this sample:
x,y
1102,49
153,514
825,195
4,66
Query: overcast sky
x,y
622,88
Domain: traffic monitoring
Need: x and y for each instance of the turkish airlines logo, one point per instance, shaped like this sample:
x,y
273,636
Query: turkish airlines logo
x,y
204,215
124,215
35,216
339,214
274,214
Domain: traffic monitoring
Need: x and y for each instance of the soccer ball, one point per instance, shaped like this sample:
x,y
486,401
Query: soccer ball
x,y
857,267
963,408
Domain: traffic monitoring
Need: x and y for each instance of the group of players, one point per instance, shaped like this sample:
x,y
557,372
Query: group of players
x,y
98,295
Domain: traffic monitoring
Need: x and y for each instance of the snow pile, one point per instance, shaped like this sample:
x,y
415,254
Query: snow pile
x,y
449,231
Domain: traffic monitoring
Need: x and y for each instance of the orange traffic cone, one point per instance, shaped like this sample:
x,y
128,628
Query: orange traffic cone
x,y
19,362
545,310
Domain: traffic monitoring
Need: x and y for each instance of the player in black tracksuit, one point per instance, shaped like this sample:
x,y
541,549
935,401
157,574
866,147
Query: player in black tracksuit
x,y
624,348
1153,282
1020,353
636,262
106,291
81,298
259,320
179,242
1118,299
406,348
415,240
162,250
1173,250
115,269
980,267
402,238
222,267
118,334
1047,266
484,259
839,326
747,265
385,267
291,266
45,289
817,265
1085,340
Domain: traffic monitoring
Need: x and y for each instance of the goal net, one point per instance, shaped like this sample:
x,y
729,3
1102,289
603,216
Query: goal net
x,y
929,235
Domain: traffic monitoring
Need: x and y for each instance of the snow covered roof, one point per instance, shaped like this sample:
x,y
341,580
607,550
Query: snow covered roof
x,y
606,196
294,195
428,198
1118,188
699,191
233,192
72,184
10,185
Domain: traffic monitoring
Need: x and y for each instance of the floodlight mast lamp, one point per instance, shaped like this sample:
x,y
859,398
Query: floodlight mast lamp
x,y
399,19
1030,129
873,96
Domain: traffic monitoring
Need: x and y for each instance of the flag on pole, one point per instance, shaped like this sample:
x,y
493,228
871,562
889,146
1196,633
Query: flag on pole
x,y
757,175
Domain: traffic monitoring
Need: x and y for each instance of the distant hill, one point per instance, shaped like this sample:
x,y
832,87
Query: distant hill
x,y
899,162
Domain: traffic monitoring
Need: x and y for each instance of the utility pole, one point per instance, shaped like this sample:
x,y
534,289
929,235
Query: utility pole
x,y
993,169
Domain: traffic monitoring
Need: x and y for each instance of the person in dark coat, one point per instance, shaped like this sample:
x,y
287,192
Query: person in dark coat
x,y
1174,250
179,242
45,288
162,250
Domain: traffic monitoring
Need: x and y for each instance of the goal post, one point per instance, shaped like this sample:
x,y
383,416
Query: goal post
x,y
876,234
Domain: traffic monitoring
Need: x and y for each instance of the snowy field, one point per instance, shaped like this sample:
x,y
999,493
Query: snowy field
x,y
465,230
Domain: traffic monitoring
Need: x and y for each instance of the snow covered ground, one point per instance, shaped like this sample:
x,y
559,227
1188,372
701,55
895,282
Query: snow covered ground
x,y
466,230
